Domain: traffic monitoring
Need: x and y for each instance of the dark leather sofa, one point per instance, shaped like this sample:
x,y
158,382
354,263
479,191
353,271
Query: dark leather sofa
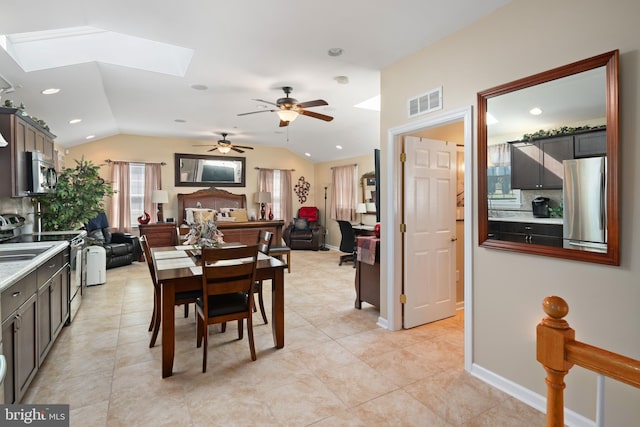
x,y
120,248
304,232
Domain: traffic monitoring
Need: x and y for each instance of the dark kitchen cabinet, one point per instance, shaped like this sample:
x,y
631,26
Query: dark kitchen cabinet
x,y
590,144
52,311
23,134
19,336
526,232
537,164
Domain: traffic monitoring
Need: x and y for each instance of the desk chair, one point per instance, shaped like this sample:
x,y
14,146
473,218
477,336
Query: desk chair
x,y
348,243
228,278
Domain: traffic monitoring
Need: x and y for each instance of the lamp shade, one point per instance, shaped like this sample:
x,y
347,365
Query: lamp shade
x,y
361,208
159,196
287,115
371,207
263,197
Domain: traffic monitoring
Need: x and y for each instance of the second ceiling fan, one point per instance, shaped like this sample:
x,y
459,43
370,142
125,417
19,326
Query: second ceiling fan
x,y
224,146
289,108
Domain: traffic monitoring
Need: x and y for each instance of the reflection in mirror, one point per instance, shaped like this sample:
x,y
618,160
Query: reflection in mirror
x,y
369,191
196,170
537,137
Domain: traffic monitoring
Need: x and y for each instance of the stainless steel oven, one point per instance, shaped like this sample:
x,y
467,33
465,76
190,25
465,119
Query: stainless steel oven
x,y
76,275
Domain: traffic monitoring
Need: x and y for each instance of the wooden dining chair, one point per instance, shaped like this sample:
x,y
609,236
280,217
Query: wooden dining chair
x,y
228,277
181,297
264,246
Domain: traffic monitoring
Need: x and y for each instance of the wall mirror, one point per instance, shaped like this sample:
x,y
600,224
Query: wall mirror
x,y
541,140
369,194
194,170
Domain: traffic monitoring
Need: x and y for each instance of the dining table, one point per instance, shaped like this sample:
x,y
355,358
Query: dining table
x,y
179,269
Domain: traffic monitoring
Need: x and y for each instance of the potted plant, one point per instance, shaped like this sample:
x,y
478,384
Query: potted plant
x,y
79,197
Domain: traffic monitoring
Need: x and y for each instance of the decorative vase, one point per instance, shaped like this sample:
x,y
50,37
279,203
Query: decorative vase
x,y
144,219
270,215
376,230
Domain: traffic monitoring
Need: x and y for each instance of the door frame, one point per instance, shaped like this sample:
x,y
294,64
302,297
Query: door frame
x,y
391,242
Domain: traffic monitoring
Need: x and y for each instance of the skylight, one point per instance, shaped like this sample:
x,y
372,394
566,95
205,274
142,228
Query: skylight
x,y
42,50
370,104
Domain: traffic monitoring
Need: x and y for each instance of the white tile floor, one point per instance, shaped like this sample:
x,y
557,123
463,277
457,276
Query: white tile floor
x,y
337,368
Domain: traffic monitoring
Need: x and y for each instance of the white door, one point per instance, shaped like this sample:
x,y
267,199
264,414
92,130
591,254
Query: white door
x,y
429,240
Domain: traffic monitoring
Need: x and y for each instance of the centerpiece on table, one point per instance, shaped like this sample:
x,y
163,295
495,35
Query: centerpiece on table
x,y
204,234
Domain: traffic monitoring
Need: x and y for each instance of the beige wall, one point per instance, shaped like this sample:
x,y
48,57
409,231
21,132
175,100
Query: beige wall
x,y
155,150
518,40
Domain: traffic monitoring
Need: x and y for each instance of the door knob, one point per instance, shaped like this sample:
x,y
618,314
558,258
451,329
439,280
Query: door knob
x,y
454,238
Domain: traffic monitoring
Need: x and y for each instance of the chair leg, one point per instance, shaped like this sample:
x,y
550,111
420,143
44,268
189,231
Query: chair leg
x,y
186,310
206,345
240,329
252,346
199,330
258,289
156,318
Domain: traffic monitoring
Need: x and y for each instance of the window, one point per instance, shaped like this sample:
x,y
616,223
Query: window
x,y
276,195
136,191
501,195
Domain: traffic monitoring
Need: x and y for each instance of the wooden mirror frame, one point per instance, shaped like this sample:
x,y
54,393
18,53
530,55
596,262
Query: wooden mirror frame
x,y
612,257
180,183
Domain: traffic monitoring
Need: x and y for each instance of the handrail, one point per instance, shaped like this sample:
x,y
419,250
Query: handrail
x,y
557,351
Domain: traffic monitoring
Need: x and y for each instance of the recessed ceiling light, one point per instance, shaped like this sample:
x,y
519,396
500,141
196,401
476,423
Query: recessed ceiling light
x,y
180,121
343,80
335,51
199,87
339,147
307,154
74,121
89,137
535,111
50,91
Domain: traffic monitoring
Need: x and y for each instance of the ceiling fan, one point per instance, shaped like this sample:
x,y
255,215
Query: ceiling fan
x,y
224,146
289,108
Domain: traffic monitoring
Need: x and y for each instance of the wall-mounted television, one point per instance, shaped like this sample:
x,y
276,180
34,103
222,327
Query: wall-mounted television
x,y
376,162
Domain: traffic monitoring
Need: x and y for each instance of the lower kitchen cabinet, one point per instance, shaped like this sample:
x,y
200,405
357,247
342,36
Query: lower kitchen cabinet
x,y
52,311
526,232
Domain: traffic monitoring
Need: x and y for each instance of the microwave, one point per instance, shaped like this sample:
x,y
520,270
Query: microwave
x,y
41,174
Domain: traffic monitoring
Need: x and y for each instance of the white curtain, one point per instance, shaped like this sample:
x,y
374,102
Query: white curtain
x,y
344,181
281,204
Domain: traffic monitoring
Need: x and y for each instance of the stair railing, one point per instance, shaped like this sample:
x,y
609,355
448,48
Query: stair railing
x,y
558,351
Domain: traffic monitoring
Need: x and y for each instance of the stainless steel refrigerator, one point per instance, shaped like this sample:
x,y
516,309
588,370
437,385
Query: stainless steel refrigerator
x,y
584,199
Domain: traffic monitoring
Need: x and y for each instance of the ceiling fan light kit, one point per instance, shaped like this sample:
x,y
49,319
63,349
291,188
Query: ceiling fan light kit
x,y
287,115
224,146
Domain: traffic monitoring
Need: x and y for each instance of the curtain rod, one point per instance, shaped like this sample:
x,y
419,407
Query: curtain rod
x,y
292,170
341,166
109,161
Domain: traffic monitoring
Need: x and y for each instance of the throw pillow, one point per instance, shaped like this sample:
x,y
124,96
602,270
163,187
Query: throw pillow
x,y
240,215
300,224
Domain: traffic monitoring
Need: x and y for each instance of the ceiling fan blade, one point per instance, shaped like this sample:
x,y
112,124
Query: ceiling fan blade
x,y
208,145
255,112
214,148
237,149
265,101
283,123
315,115
243,146
316,103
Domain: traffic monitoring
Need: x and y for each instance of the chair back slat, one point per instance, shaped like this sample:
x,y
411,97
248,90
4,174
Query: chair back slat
x,y
228,270
147,256
264,241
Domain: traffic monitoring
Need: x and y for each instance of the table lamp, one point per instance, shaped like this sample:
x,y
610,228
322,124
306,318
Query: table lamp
x,y
159,197
361,208
263,197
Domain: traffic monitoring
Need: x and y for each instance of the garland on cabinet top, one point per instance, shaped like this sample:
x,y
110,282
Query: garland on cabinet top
x,y
9,104
565,130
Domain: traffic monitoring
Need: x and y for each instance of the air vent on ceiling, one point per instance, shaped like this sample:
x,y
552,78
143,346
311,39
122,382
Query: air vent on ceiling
x,y
426,102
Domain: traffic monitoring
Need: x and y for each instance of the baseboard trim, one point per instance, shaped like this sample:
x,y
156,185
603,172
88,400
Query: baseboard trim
x,y
535,400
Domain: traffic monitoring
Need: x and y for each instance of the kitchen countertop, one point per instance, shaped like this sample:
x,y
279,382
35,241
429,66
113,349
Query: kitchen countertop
x,y
12,271
523,218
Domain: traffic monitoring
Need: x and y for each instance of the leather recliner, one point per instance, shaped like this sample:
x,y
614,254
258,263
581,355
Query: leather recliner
x,y
120,248
304,232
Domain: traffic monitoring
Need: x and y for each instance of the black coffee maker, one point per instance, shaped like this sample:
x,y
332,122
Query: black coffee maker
x,y
540,207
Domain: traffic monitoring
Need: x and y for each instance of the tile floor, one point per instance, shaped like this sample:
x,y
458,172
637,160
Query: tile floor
x,y
337,368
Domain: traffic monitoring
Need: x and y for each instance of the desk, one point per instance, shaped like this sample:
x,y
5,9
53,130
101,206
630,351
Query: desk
x,y
363,230
184,279
367,281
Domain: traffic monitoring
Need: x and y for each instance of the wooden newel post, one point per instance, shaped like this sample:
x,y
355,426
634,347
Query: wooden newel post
x,y
552,333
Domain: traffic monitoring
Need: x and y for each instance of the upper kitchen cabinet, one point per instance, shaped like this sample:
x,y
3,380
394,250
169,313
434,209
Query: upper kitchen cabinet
x,y
23,135
537,165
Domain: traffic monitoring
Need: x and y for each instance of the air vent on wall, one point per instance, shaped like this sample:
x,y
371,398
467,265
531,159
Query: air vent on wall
x,y
426,102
